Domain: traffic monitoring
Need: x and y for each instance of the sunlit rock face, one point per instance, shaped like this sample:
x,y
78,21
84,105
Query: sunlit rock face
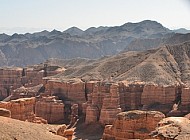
x,y
21,109
50,109
133,125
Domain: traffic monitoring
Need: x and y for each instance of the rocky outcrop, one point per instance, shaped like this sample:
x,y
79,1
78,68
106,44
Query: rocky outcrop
x,y
73,91
95,102
61,130
108,99
185,96
111,106
173,128
92,114
21,109
158,94
50,109
130,95
133,125
12,78
5,112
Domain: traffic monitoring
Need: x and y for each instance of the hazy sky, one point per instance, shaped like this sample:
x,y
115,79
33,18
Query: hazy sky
x,y
36,15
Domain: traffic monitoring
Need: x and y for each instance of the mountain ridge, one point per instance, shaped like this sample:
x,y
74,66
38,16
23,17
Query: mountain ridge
x,y
93,43
166,65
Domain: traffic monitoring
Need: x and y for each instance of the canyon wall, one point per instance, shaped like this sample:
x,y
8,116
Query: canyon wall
x,y
158,94
50,109
71,92
21,109
98,101
38,110
12,78
108,99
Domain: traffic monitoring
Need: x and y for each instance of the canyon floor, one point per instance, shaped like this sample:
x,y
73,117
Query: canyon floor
x,y
88,132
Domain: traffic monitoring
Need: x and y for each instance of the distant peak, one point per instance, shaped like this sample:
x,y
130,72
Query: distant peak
x,y
54,31
74,31
74,28
142,22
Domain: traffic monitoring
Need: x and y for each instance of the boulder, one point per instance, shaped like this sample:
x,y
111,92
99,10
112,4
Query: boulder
x,y
172,128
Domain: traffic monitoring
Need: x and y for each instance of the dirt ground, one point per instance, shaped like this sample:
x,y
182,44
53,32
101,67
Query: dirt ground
x,y
88,132
11,129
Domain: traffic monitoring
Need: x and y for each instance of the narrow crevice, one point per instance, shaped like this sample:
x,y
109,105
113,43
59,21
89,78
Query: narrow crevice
x,y
86,91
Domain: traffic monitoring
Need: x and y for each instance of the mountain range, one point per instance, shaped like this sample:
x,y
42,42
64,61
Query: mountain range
x,y
93,43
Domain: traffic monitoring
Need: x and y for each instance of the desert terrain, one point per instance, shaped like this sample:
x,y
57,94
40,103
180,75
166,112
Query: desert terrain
x,y
112,83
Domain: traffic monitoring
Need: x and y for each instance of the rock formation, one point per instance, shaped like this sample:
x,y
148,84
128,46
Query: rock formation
x,y
108,99
5,112
72,91
173,128
10,79
21,109
13,78
158,94
133,125
110,106
50,109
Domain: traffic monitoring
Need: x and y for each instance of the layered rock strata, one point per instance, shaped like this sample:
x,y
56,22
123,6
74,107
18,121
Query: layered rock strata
x,y
111,106
50,109
158,94
21,109
5,113
72,91
12,78
133,125
108,99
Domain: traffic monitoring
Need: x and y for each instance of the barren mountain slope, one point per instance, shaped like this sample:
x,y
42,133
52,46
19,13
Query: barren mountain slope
x,y
165,65
150,43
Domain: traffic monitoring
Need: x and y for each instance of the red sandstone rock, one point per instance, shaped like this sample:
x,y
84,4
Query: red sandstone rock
x,y
133,125
111,106
13,78
68,90
5,112
185,96
158,94
50,109
21,109
92,114
108,99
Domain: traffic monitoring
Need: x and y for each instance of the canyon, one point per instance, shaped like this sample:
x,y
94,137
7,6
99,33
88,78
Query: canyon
x,y
130,95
